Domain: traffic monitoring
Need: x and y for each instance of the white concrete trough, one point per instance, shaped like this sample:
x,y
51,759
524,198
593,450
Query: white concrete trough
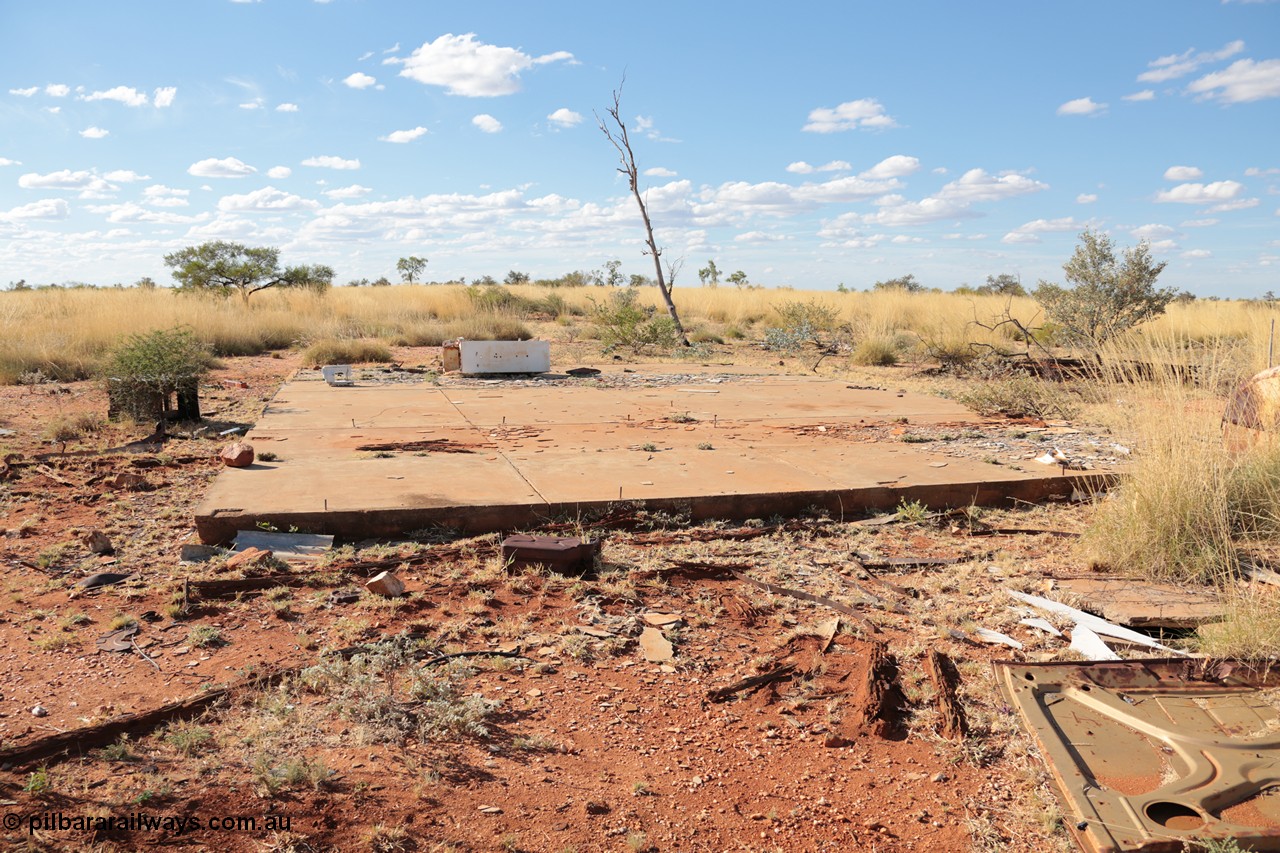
x,y
481,357
337,374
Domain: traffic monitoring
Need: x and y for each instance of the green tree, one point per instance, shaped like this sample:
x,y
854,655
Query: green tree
x,y
613,275
738,279
1109,295
411,267
1002,284
709,275
224,267
905,283
516,277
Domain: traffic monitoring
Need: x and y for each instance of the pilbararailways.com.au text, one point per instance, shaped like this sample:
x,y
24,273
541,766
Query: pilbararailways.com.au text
x,y
172,824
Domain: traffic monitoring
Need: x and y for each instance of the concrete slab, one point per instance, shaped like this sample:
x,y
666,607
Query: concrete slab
x,y
382,457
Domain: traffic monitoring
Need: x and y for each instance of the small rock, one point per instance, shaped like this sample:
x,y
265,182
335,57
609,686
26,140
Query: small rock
x,y
98,543
661,620
247,557
597,807
656,648
238,454
127,481
490,810
39,711
385,584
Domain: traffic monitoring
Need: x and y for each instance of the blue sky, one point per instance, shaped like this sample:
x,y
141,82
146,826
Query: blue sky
x,y
806,144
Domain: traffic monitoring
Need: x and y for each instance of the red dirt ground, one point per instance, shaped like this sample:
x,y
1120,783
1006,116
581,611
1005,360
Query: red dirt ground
x,y
590,747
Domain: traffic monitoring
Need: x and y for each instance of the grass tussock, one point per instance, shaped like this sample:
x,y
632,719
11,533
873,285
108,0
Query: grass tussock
x,y
349,351
1251,629
1188,507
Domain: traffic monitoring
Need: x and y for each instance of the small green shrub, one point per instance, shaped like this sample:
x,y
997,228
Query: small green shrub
x,y
624,322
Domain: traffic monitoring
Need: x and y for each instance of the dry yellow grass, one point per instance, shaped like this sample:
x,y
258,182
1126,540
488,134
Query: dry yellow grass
x,y
65,333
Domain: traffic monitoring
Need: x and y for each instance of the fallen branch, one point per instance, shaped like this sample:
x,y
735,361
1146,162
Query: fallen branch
x,y
719,694
474,654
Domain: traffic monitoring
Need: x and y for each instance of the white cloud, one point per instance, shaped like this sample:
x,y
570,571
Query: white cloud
x,y
1020,237
279,173
896,211
130,212
863,113
359,80
1081,107
286,108
1086,198
25,93
403,136
759,237
1152,232
1182,173
126,95
799,167
164,96
94,133
978,185
1237,204
464,66
57,90
1241,82
1197,253
1028,231
64,179
1181,64
251,105
659,172
353,191
158,195
1217,191
5,161
844,189
1198,223
53,110
487,123
48,208
1255,172
1144,95
897,166
331,162
565,117
265,200
228,167
125,176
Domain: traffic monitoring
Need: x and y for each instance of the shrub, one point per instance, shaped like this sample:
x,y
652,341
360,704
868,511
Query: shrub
x,y
624,322
345,351
149,368
363,690
1108,296
802,322
1020,396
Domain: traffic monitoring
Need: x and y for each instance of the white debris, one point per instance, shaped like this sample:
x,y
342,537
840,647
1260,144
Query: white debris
x,y
1093,623
996,638
1089,644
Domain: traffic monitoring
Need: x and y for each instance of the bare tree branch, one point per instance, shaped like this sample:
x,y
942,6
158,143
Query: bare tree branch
x,y
621,141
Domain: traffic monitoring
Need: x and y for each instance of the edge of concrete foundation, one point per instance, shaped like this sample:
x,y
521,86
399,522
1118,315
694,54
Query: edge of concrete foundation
x,y
221,525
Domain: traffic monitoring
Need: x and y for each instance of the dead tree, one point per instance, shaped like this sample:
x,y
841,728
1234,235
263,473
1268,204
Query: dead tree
x,y
622,142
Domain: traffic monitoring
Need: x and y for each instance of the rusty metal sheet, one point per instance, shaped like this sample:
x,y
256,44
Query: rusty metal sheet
x,y
562,554
1148,754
